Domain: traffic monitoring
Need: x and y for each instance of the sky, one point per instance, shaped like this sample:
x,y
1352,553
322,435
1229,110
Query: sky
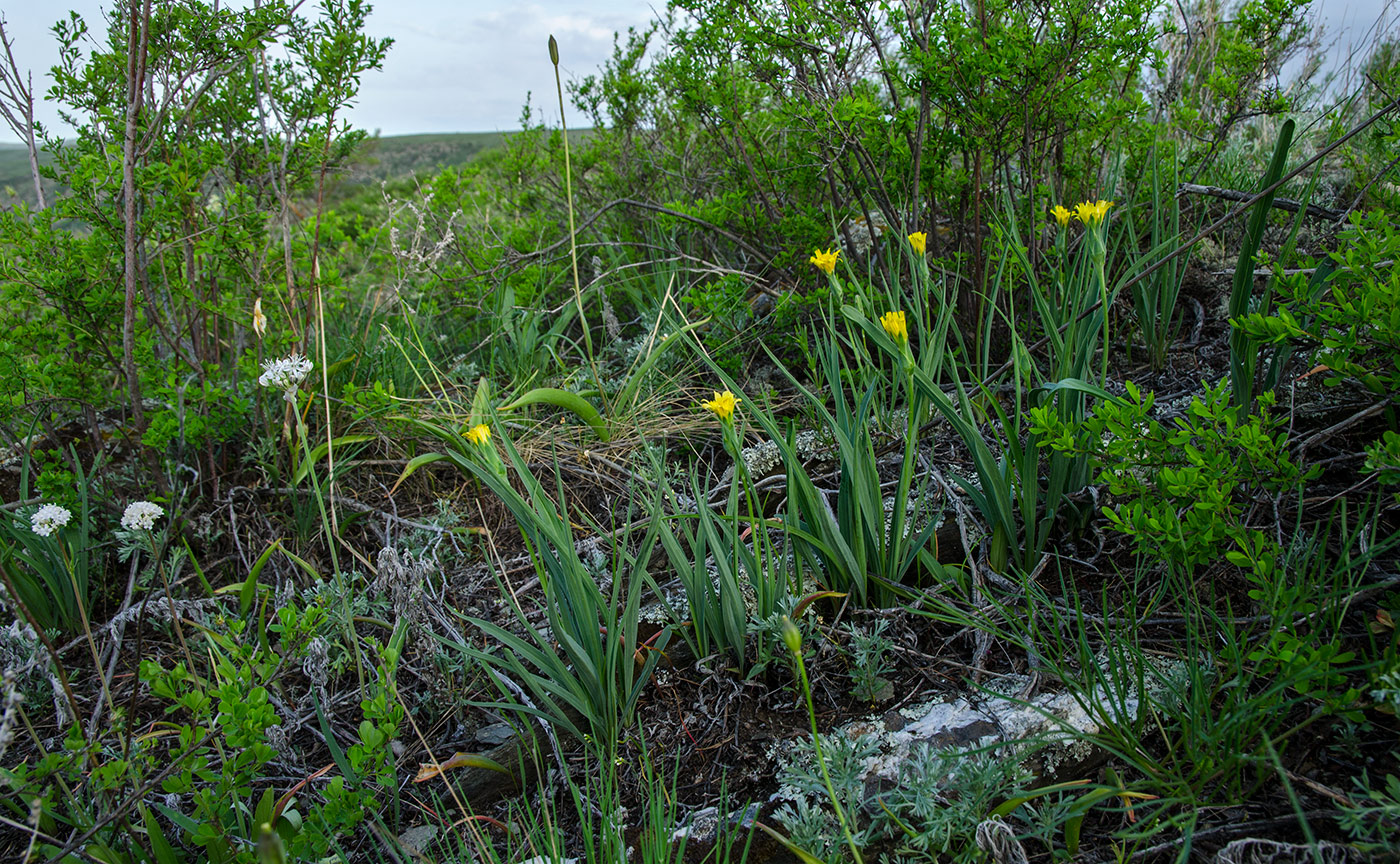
x,y
455,66
467,65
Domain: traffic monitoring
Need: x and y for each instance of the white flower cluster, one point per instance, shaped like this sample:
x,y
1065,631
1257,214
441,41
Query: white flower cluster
x,y
49,518
141,516
285,373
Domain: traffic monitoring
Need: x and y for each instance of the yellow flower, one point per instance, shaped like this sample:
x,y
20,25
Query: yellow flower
x,y
259,319
1091,213
479,434
723,405
894,324
1061,214
825,261
919,241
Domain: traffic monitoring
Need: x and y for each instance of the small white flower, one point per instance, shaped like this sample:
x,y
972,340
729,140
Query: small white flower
x,y
49,518
259,319
285,374
141,516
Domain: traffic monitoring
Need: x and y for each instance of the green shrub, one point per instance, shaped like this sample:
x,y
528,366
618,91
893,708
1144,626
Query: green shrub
x,y
1349,322
1181,489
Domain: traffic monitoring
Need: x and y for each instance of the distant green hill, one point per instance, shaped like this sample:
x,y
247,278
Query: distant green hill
x,y
15,180
401,155
378,159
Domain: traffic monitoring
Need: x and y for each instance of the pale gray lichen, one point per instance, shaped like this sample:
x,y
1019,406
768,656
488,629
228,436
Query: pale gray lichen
x,y
766,456
1057,728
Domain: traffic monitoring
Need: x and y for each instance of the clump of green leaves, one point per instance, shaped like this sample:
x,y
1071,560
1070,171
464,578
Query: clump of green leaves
x,y
1350,321
733,570
1373,820
869,652
591,680
208,770
50,573
1383,457
1181,488
930,813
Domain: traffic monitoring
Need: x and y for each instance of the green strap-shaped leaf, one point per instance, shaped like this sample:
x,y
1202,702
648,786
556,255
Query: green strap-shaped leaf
x,y
250,585
569,402
1242,347
319,452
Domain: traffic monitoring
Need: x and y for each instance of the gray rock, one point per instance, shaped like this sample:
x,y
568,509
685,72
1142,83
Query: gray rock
x,y
416,839
495,734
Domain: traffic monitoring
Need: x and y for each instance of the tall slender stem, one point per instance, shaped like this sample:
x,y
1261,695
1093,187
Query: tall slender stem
x,y
138,22
573,240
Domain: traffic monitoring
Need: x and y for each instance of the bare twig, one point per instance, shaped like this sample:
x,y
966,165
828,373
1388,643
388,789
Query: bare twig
x,y
17,108
1342,425
1232,829
348,503
114,647
655,208
1313,210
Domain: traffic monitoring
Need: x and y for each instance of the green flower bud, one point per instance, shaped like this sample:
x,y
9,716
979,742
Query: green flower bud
x,y
792,636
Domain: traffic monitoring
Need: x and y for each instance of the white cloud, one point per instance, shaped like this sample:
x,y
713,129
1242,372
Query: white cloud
x,y
454,66
472,68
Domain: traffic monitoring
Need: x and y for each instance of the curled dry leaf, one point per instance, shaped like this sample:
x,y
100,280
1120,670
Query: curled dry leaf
x,y
429,770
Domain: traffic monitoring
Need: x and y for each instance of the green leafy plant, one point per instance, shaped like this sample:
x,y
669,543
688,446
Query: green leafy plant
x,y
1373,819
1181,488
1243,349
869,652
732,570
592,687
859,545
49,570
1347,315
1155,298
1383,457
1008,492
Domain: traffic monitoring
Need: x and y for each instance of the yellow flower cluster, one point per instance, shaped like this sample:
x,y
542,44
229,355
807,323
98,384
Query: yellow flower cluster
x,y
825,261
723,405
1092,213
895,325
919,241
479,434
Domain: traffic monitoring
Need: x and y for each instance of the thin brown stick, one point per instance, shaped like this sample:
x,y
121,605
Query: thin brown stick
x,y
17,107
138,23
1235,829
1343,425
655,208
1316,211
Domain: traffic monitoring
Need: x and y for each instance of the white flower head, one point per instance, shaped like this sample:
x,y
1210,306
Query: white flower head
x,y
285,374
141,516
49,518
